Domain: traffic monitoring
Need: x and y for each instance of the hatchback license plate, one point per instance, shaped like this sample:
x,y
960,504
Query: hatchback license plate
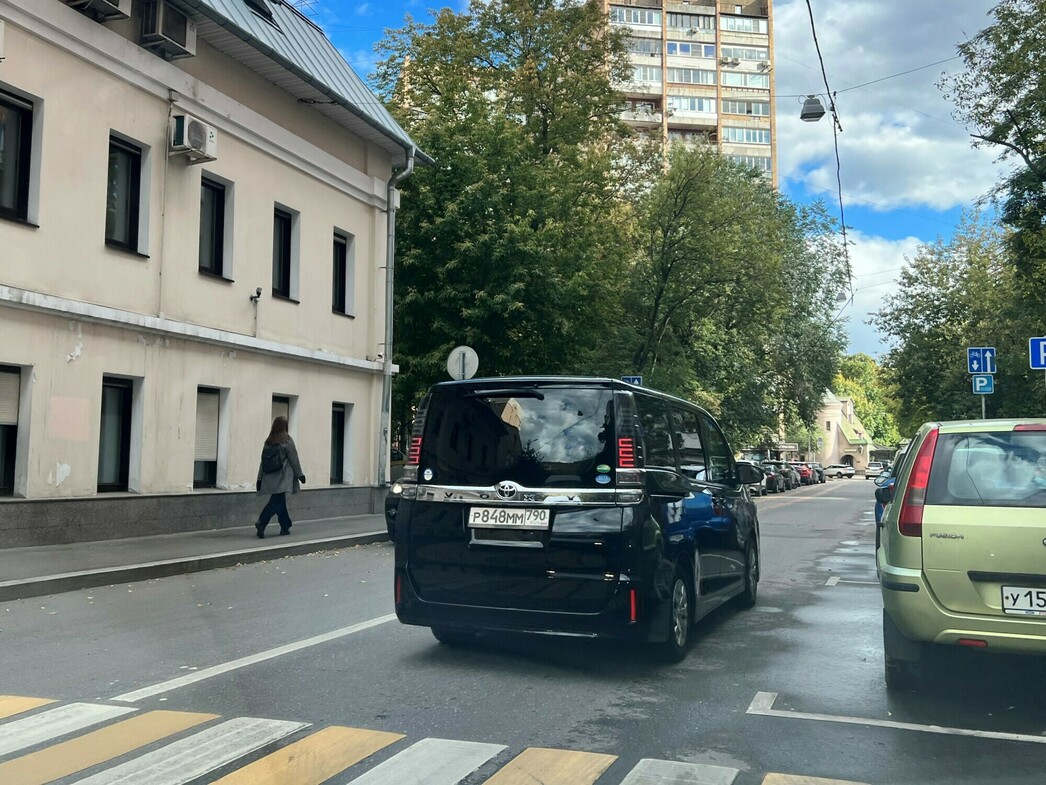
x,y
1024,601
509,517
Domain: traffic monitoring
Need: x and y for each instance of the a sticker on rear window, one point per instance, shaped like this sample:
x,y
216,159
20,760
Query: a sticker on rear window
x,y
603,468
602,479
427,475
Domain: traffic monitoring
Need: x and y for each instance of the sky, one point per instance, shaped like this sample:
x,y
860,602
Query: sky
x,y
908,170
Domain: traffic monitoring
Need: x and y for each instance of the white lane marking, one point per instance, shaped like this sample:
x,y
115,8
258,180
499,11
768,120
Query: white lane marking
x,y
832,581
243,662
666,772
30,731
431,762
763,704
192,757
835,580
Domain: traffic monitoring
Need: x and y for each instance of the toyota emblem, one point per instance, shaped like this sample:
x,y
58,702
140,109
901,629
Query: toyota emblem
x,y
507,490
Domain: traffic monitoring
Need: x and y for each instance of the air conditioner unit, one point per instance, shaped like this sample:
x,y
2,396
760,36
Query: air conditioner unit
x,y
167,31
193,138
103,9
764,64
735,61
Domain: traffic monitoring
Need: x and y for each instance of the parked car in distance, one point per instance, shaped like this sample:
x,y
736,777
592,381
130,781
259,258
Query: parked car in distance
x,y
756,488
775,481
839,470
961,553
818,470
789,477
570,505
806,474
874,469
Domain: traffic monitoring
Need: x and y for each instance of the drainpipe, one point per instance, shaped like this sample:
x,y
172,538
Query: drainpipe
x,y
390,269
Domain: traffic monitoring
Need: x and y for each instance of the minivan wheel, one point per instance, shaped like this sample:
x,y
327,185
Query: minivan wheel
x,y
680,617
451,637
751,590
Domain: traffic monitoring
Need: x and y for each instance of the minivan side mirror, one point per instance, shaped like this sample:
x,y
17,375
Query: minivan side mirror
x,y
749,475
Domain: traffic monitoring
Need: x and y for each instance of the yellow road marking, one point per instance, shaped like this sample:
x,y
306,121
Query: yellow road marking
x,y
314,759
552,767
797,779
13,704
81,753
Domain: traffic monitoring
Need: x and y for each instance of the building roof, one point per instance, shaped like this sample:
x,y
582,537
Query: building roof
x,y
851,433
279,43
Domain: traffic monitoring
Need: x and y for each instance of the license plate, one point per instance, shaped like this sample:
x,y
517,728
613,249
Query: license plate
x,y
1024,601
509,517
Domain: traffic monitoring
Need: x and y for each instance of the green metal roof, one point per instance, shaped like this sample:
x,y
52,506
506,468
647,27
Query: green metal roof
x,y
850,433
291,51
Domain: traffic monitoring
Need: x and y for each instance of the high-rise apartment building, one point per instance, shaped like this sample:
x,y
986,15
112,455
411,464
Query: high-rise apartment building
x,y
702,72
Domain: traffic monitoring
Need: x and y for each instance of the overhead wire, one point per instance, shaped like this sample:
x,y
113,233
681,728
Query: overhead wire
x,y
836,130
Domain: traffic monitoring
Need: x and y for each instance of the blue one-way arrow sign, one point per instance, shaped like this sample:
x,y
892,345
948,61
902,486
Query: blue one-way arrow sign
x,y
980,359
638,380
983,384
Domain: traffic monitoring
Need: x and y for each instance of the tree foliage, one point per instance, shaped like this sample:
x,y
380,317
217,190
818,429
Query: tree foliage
x,y
552,240
862,380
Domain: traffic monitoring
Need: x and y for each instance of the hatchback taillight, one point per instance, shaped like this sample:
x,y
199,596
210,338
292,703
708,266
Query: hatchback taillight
x,y
414,454
1030,426
910,519
626,452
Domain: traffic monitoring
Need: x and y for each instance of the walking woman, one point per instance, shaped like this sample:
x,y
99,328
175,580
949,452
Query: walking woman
x,y
279,473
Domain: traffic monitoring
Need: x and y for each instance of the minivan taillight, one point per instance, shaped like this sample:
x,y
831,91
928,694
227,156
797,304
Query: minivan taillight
x,y
910,519
414,454
626,452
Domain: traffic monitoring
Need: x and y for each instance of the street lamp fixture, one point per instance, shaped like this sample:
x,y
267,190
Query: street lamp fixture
x,y
812,110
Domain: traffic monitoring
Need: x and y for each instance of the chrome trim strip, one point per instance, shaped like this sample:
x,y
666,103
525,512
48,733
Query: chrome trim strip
x,y
527,497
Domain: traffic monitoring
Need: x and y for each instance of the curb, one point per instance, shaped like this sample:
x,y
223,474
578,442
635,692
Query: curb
x,y
72,581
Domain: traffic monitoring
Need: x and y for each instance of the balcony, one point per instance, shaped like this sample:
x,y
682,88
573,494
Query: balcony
x,y
642,118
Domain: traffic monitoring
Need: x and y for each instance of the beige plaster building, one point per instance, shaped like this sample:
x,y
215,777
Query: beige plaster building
x,y
844,439
193,239
702,73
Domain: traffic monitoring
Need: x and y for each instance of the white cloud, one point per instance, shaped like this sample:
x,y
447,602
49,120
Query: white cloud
x,y
877,264
899,146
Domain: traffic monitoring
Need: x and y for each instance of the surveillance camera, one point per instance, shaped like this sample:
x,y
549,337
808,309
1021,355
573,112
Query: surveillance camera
x,y
380,356
258,291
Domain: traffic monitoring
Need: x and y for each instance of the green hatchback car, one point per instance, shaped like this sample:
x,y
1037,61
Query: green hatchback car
x,y
962,553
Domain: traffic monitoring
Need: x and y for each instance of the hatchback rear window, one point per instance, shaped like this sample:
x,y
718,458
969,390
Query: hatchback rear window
x,y
995,469
535,436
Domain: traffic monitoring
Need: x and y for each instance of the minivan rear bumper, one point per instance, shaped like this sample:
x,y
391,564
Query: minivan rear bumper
x,y
919,616
614,620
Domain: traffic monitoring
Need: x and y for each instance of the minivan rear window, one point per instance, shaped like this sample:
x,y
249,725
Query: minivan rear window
x,y
538,436
992,469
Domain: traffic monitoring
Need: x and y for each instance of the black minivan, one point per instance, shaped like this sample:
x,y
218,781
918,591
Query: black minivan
x,y
572,506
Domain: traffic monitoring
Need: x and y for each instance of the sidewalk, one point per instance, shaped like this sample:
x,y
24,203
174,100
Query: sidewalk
x,y
50,569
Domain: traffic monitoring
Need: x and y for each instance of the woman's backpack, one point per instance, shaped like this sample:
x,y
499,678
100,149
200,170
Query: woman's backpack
x,y
273,458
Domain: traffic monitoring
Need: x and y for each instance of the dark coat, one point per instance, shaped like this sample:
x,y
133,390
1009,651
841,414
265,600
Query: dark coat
x,y
286,479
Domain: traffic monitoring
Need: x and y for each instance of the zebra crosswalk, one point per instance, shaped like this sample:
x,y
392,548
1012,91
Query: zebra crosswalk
x,y
43,741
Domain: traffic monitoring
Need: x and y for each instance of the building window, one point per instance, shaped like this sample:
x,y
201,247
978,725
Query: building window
x,y
686,103
751,108
212,227
283,226
643,46
344,277
114,440
646,73
691,76
691,21
828,425
746,52
281,407
691,50
758,162
205,457
634,16
745,79
123,194
10,389
743,24
746,135
338,423
16,133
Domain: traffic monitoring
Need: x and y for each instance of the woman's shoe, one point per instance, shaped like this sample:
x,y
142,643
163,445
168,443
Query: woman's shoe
x,y
261,530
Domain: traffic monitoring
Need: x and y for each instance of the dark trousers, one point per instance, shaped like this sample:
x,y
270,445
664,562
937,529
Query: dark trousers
x,y
277,505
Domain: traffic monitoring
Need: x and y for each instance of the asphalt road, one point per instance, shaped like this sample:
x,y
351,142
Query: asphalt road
x,y
793,687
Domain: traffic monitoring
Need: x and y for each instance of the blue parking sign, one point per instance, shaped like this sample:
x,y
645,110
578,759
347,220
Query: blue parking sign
x,y
1037,353
983,384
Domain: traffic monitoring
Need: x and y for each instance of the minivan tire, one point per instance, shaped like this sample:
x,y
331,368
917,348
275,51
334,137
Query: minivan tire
x,y
680,616
750,594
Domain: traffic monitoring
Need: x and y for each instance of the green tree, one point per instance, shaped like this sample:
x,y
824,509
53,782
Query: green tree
x,y
862,380
512,241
